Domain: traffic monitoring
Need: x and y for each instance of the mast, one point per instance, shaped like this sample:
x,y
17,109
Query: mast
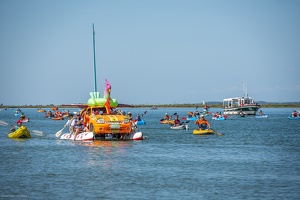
x,y
94,48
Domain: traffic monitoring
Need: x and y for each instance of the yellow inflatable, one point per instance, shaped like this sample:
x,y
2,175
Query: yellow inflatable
x,y
203,132
21,132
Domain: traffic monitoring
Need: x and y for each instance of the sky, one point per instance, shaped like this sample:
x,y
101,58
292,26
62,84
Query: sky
x,y
150,51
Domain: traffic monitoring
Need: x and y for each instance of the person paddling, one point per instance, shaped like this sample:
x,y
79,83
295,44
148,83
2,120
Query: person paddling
x,y
202,123
14,128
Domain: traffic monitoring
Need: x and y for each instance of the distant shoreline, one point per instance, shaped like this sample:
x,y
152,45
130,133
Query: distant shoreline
x,y
212,105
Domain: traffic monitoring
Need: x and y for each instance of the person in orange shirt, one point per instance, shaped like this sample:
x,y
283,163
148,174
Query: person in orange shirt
x,y
202,123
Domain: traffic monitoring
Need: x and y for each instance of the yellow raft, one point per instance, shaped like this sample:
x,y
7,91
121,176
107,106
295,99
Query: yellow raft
x,y
203,132
21,132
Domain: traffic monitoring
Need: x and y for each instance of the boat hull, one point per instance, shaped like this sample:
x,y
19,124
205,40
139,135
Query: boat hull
x,y
21,132
248,110
86,136
203,132
180,127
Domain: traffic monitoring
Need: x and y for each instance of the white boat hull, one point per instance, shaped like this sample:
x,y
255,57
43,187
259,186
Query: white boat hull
x,y
90,136
180,127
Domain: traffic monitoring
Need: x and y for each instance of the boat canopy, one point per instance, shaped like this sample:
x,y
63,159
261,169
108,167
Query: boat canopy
x,y
237,102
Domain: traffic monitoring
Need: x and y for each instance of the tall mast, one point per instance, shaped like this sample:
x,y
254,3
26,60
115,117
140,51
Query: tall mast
x,y
94,48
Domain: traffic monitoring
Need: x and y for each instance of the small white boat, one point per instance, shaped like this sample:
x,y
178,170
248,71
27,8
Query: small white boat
x,y
180,127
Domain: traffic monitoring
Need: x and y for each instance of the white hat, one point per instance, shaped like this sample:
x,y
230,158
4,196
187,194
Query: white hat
x,y
166,114
201,115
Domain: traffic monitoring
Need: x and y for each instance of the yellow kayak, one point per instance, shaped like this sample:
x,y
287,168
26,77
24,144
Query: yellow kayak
x,y
21,132
203,132
167,122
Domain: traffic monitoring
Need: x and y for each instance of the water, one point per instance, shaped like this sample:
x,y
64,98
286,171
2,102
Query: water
x,y
253,159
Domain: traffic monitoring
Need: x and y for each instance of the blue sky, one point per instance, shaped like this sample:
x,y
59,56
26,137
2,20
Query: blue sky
x,y
151,51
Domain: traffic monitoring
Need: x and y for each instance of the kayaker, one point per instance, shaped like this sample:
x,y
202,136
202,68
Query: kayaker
x,y
138,117
260,113
176,121
166,117
130,116
14,128
202,123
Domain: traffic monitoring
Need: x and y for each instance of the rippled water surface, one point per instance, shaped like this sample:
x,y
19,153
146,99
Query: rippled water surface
x,y
253,159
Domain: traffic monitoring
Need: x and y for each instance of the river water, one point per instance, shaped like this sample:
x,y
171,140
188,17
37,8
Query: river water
x,y
252,159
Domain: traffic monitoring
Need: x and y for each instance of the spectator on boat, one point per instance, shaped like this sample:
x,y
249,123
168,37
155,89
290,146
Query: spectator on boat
x,y
14,128
176,121
69,122
77,125
202,123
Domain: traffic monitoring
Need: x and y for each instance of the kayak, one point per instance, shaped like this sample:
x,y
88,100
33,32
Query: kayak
x,y
291,117
57,118
219,118
261,116
180,127
21,132
141,122
167,122
24,120
84,136
192,118
203,132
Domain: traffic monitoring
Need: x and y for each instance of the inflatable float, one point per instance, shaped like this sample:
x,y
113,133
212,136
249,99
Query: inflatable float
x,y
21,132
203,132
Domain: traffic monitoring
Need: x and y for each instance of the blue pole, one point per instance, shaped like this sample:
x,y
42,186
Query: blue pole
x,y
95,81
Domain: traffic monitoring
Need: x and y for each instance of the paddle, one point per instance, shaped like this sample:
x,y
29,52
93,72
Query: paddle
x,y
59,132
39,133
219,134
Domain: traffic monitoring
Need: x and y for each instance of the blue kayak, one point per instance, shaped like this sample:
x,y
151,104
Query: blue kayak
x,y
291,117
261,116
141,122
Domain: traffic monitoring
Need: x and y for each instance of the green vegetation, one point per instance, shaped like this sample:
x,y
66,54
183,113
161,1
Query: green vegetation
x,y
186,105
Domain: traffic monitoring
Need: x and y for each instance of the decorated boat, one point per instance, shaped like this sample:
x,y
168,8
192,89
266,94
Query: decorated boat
x,y
180,127
21,132
102,116
236,105
203,132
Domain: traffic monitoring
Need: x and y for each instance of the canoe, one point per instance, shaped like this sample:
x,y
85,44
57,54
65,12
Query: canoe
x,y
291,117
203,132
180,127
261,116
167,122
21,132
141,122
